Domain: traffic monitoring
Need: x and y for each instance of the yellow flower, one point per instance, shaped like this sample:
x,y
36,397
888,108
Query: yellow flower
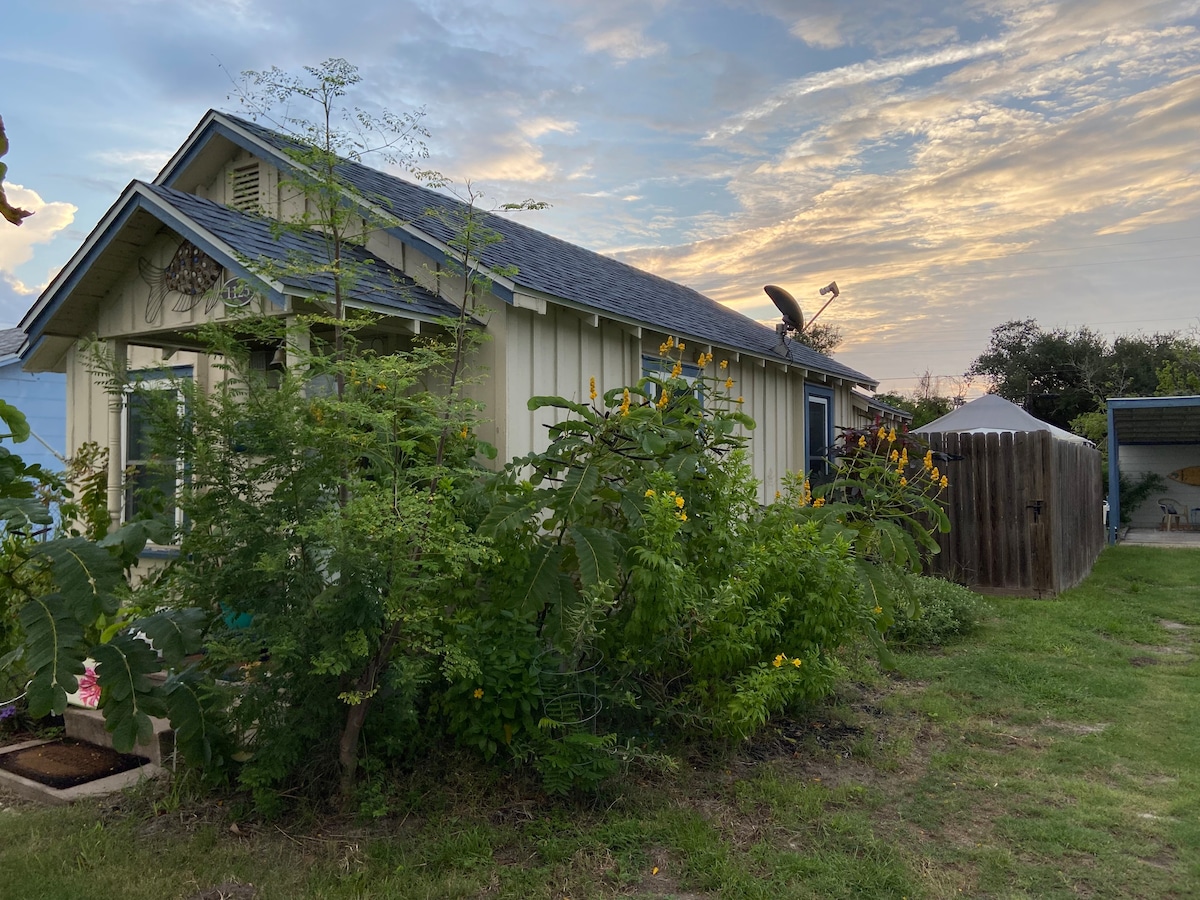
x,y
382,386
478,693
903,481
882,433
895,456
681,345
593,388
664,399
728,383
724,364
625,403
670,342
878,610
682,516
677,370
862,442
935,474
463,434
904,455
777,495
778,661
928,460
891,435
944,483
818,503
649,492
679,502
796,662
739,399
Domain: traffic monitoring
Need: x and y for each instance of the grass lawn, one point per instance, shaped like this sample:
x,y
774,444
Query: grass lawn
x,y
1054,754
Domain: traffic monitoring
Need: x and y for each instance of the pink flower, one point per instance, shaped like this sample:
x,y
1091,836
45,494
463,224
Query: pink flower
x,y
89,690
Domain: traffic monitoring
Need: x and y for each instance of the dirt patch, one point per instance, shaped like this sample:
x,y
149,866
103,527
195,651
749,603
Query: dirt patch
x,y
67,763
1143,661
1173,626
1080,728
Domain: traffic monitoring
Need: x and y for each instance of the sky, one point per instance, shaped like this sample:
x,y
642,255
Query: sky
x,y
951,165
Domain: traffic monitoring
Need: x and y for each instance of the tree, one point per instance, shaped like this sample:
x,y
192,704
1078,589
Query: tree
x,y
1061,374
927,401
824,337
13,214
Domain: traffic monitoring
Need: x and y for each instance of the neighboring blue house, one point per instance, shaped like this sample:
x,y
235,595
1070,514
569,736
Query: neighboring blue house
x,y
42,396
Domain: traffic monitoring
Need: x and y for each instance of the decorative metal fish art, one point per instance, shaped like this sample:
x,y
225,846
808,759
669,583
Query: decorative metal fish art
x,y
1187,475
191,273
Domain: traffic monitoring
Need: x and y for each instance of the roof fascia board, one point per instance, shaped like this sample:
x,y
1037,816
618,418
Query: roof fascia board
x,y
68,276
134,197
738,352
1151,402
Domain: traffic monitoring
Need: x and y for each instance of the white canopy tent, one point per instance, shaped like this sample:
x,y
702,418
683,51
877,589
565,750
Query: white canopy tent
x,y
992,414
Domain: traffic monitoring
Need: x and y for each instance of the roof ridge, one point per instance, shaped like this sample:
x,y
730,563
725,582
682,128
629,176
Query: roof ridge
x,y
557,267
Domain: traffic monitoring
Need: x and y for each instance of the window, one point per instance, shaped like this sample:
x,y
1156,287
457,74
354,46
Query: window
x,y
661,368
818,428
148,474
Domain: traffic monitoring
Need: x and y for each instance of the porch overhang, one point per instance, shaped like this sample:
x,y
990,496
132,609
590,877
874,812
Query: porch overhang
x,y
1145,421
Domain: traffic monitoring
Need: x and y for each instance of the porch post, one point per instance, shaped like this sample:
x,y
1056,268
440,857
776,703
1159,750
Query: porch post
x,y
1114,478
116,456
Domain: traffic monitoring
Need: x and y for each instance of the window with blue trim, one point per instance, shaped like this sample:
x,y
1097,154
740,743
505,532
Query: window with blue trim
x,y
657,367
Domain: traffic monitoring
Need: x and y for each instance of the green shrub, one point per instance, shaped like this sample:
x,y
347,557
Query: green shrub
x,y
944,611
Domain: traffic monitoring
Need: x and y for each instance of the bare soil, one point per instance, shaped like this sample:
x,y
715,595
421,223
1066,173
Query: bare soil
x,y
66,763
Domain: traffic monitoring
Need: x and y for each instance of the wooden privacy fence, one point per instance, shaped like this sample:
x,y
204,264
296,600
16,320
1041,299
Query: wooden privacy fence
x,y
1026,512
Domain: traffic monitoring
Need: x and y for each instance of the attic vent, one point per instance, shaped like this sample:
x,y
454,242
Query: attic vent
x,y
243,187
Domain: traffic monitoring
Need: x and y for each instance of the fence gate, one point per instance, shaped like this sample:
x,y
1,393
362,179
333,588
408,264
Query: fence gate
x,y
1026,512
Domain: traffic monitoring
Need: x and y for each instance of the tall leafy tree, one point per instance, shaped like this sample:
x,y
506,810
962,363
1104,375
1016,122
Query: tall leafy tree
x,y
1061,374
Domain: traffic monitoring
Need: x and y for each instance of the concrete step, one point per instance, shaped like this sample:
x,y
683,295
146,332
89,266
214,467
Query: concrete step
x,y
88,725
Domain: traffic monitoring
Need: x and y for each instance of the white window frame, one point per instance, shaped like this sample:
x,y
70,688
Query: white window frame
x,y
157,380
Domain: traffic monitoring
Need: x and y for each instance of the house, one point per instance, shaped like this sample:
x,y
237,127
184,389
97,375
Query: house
x,y
42,397
1024,500
176,252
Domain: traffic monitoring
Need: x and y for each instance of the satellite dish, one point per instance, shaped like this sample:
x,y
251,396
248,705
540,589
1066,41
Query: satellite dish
x,y
793,318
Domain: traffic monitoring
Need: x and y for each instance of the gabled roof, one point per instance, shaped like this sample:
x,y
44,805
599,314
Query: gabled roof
x,y
377,284
235,239
545,264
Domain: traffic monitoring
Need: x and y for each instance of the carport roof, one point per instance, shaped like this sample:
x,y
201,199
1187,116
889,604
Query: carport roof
x,y
1155,420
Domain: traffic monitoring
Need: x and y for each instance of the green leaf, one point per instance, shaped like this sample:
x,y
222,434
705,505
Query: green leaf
x,y
86,574
22,512
175,633
54,650
18,426
594,549
130,697
195,732
561,403
505,517
577,489
542,585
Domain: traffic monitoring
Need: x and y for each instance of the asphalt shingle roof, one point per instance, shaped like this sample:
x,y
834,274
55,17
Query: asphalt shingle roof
x,y
11,340
253,237
561,269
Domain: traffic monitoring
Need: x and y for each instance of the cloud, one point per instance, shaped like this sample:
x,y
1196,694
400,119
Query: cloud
x,y
17,243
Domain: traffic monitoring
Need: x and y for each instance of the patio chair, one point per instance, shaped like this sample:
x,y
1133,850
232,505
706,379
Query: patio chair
x,y
1170,511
